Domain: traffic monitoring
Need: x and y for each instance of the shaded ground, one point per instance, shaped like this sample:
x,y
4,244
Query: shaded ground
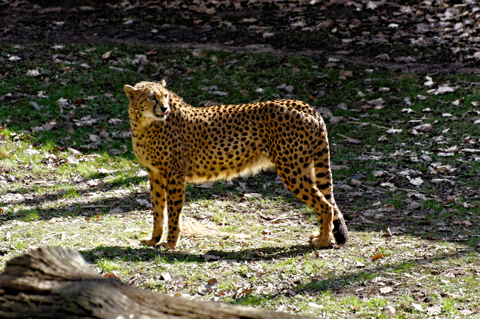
x,y
421,36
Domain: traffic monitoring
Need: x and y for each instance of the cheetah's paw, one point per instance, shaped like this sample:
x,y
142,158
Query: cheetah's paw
x,y
168,245
318,242
149,242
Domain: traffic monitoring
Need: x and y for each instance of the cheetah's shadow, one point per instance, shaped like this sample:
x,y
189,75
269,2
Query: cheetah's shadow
x,y
148,253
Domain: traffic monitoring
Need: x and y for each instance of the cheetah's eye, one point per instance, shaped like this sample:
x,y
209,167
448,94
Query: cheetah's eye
x,y
152,97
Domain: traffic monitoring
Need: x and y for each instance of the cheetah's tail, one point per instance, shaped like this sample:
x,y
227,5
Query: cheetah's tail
x,y
340,230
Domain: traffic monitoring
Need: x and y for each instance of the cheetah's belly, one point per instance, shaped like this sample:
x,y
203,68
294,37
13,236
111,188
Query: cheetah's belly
x,y
202,170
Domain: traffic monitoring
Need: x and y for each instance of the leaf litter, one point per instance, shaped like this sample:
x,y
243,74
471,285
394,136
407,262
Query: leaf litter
x,y
279,265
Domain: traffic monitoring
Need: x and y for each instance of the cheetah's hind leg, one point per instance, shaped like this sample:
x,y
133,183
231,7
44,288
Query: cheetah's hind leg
x,y
324,182
306,190
324,238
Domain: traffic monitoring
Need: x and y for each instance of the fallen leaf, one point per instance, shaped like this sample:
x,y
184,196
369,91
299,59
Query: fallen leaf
x,y
326,23
289,88
388,208
346,74
388,184
151,52
14,58
394,131
74,151
142,173
35,106
34,72
93,137
337,119
166,276
465,222
376,102
429,81
45,127
413,205
377,256
212,281
352,141
78,101
444,168
424,128
114,68
355,182
441,90
107,55
426,158
378,173
325,112
253,195
417,306
416,181
199,54
389,309
144,202
386,290
107,171
220,93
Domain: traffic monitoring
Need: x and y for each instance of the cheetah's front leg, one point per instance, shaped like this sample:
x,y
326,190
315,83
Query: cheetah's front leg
x,y
175,199
158,197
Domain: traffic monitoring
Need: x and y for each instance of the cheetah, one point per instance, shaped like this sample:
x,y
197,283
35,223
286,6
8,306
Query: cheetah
x,y
178,144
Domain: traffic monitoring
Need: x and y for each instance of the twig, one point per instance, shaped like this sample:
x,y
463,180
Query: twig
x,y
360,123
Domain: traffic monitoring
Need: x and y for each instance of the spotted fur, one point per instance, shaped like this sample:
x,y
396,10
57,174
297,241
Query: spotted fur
x,y
178,143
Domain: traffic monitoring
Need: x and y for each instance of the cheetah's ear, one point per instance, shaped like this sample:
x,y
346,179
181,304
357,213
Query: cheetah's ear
x,y
164,83
130,91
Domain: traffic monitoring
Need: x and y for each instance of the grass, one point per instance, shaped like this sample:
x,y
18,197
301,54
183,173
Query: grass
x,y
61,186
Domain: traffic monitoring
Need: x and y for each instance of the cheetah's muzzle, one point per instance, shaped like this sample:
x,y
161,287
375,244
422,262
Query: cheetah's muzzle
x,y
165,111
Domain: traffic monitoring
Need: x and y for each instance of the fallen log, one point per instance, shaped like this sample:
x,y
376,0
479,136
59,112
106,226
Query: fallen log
x,y
54,282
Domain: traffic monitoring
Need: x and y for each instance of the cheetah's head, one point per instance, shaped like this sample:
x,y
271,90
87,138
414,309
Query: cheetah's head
x,y
149,101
